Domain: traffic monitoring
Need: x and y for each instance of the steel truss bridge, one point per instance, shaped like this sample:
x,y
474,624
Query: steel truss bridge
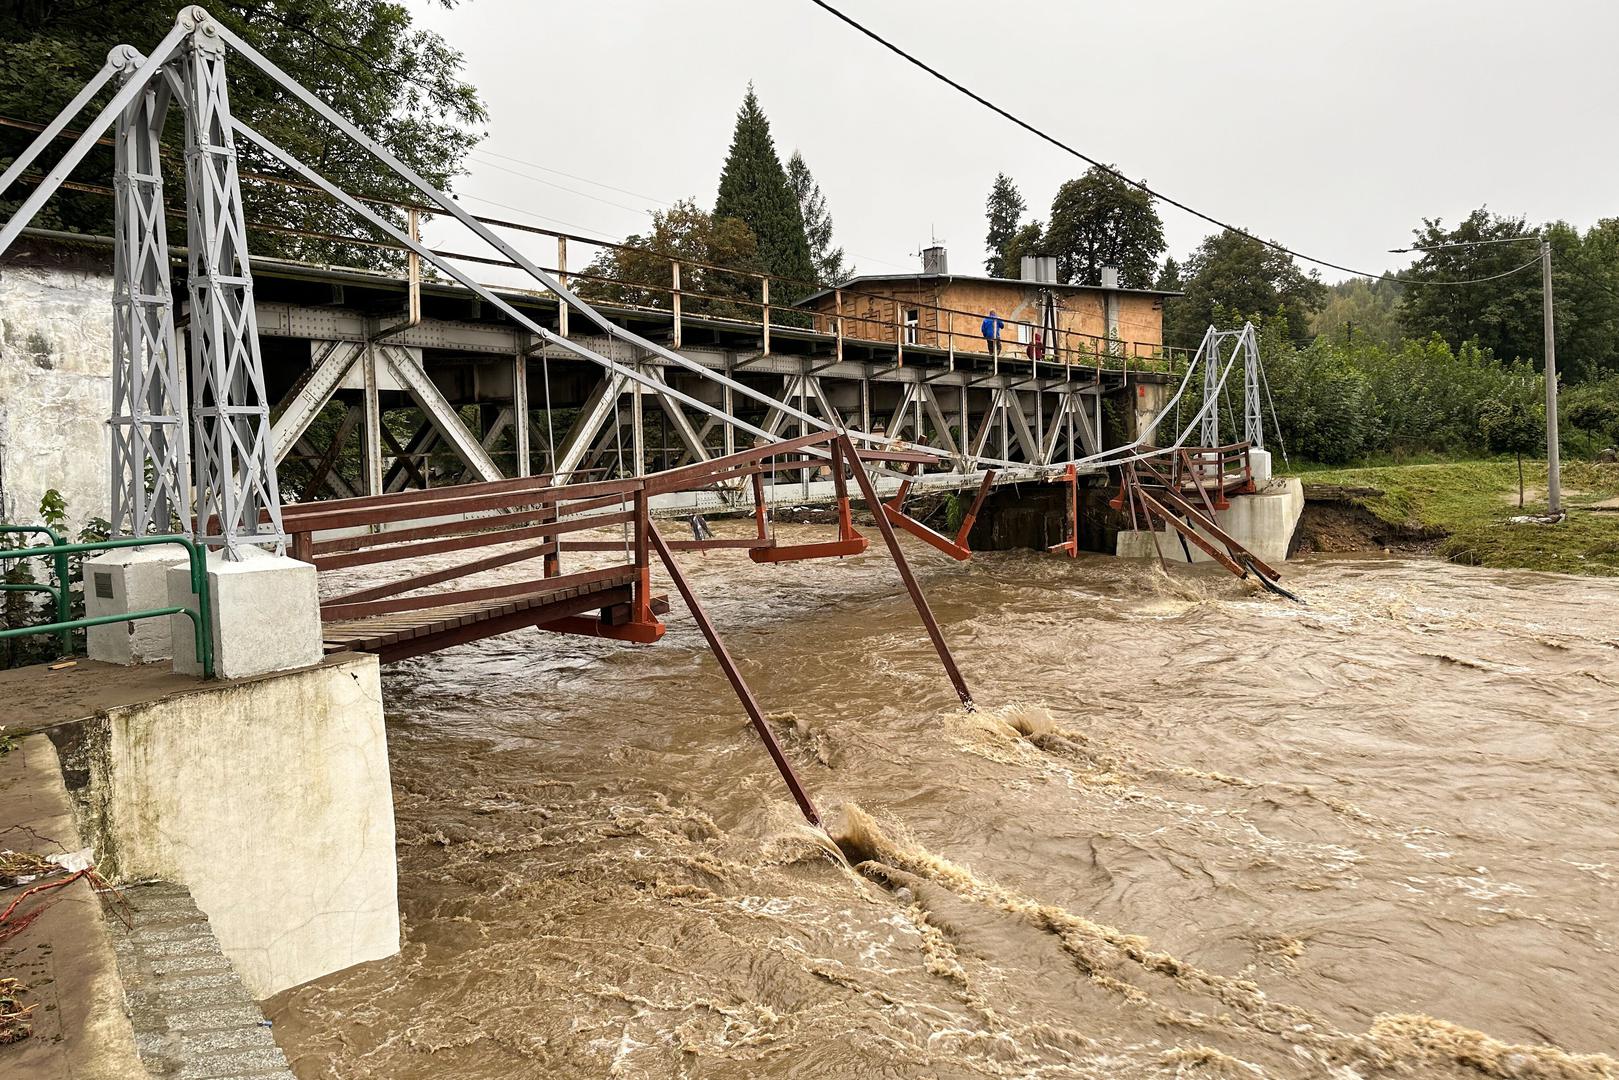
x,y
758,412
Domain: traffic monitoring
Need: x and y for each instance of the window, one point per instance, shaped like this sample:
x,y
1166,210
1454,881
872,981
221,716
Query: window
x,y
913,318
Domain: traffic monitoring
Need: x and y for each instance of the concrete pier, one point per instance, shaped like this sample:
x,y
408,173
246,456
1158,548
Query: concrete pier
x,y
1262,522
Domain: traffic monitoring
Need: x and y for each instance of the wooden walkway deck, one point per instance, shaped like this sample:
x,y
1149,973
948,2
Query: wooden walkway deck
x,y
424,630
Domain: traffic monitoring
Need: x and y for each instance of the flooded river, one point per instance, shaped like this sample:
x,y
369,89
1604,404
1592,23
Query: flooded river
x,y
1194,830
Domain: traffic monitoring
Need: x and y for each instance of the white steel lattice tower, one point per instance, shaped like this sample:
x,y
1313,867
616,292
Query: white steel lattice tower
x,y
237,498
1253,419
151,474
1213,380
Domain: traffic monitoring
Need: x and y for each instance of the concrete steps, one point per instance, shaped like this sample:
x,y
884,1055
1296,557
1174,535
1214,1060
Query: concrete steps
x,y
193,1020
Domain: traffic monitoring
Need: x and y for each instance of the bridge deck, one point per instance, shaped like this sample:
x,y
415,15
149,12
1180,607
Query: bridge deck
x,y
412,633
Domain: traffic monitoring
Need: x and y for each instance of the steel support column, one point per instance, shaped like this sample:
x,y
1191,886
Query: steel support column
x,y
238,501
151,455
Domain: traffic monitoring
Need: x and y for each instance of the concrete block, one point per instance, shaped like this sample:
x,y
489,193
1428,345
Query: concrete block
x,y
1259,461
131,579
266,615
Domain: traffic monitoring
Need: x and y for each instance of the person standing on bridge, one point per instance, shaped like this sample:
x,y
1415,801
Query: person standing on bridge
x,y
992,333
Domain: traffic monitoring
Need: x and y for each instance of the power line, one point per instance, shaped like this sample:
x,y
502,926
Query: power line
x,y
563,187
626,191
573,176
1110,170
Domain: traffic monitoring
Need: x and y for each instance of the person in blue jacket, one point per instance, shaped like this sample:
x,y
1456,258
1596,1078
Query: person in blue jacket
x,y
992,332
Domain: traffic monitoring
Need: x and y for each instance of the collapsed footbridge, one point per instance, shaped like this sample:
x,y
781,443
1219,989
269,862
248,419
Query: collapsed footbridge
x,y
517,421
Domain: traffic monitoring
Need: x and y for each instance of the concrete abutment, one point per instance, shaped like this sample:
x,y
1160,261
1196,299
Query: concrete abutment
x,y
267,797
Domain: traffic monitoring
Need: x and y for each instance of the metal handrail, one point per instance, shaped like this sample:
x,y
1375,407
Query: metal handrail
x,y
200,616
59,591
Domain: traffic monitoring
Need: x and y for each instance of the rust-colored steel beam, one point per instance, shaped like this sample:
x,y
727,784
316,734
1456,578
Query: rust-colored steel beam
x,y
914,457
928,536
1186,530
738,683
740,543
821,549
760,512
957,548
869,493
593,626
378,554
483,525
407,509
1070,546
972,511
692,476
421,495
501,624
849,542
449,573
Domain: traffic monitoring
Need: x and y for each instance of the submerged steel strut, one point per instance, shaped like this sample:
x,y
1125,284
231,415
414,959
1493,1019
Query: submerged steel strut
x,y
738,684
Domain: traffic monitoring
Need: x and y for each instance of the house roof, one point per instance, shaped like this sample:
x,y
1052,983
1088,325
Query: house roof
x,y
945,279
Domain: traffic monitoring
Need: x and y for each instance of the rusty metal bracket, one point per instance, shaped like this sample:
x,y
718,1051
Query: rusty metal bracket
x,y
1070,546
849,542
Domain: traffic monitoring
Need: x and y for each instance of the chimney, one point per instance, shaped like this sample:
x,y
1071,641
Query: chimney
x,y
1110,277
934,261
1041,268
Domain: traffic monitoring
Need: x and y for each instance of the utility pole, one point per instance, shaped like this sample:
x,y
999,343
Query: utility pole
x,y
1554,469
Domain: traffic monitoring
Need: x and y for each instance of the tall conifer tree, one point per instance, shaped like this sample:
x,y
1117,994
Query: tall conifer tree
x,y
829,268
1004,210
754,189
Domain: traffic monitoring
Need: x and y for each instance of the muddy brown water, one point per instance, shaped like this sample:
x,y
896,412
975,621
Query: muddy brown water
x,y
1193,831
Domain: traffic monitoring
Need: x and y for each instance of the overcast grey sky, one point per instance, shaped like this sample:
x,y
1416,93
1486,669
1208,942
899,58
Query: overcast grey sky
x,y
1332,127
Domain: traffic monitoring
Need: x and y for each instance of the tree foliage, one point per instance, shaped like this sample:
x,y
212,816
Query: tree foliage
x,y
828,260
1231,278
1099,220
1512,427
1003,210
1028,239
639,272
1339,401
1503,315
1359,309
1169,276
754,190
1585,290
398,83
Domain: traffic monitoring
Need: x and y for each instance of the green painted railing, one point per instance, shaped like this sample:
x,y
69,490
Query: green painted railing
x,y
200,616
59,591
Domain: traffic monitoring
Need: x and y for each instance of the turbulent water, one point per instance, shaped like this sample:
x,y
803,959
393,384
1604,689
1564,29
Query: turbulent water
x,y
1194,830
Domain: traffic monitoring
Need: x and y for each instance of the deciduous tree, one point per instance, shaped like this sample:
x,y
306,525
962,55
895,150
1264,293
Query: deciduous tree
x,y
400,84
1502,314
1232,277
1099,220
639,272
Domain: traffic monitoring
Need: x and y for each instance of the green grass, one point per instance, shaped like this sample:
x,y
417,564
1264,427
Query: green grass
x,y
1470,502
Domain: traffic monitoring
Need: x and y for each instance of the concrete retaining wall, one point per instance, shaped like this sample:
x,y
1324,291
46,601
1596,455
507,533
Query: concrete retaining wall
x,y
268,798
55,383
